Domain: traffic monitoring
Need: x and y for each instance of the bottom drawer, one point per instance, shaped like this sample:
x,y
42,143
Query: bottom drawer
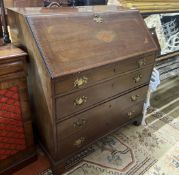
x,y
84,128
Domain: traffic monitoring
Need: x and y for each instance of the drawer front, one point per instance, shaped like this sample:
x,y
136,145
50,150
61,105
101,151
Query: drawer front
x,y
80,80
84,128
72,103
9,68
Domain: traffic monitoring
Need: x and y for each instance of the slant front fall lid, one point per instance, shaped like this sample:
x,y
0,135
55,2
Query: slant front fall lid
x,y
72,40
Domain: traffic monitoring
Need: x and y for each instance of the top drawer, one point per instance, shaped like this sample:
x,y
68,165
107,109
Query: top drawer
x,y
12,67
12,62
79,80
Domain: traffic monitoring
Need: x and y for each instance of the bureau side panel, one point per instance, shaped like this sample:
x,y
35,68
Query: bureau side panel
x,y
39,81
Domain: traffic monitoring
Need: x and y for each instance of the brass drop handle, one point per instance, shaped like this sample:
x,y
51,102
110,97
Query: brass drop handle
x,y
138,78
80,100
79,142
79,123
79,82
134,97
98,19
131,114
141,63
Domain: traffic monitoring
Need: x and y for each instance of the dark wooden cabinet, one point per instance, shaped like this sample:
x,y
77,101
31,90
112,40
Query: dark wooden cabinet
x,y
16,136
87,65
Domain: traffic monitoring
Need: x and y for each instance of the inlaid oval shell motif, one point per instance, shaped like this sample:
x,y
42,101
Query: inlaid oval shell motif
x,y
106,36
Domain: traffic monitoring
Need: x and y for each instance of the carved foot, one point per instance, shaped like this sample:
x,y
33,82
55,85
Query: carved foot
x,y
137,122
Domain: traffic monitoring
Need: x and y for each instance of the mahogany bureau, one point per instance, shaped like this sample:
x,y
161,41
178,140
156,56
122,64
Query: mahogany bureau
x,y
16,138
89,71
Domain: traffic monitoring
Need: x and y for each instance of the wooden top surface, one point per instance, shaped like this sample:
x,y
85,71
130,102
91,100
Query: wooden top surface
x,y
10,51
81,9
71,43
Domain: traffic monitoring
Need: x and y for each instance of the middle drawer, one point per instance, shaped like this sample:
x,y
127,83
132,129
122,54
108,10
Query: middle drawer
x,y
73,103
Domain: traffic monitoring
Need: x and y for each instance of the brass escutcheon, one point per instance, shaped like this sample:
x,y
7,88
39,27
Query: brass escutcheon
x,y
80,81
79,142
80,100
134,97
138,78
131,114
141,63
98,19
79,123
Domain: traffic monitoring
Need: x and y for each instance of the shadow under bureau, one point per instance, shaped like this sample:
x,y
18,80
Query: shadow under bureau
x,y
89,71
